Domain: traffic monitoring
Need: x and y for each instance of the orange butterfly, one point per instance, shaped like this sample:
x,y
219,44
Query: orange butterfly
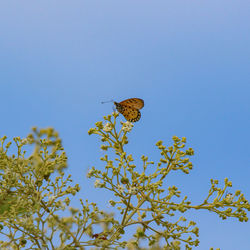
x,y
129,108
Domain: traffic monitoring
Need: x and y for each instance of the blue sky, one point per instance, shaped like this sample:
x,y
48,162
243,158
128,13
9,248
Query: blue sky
x,y
188,60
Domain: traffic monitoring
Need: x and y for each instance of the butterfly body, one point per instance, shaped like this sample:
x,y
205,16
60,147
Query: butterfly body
x,y
129,108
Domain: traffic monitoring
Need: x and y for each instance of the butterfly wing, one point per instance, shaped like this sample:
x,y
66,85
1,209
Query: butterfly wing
x,y
135,103
131,114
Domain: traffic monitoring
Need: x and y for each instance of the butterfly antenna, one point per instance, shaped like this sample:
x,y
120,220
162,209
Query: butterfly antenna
x,y
107,101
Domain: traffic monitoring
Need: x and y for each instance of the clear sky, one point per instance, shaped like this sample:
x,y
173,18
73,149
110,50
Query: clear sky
x,y
189,61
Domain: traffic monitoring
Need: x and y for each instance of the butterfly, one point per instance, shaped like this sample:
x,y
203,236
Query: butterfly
x,y
129,108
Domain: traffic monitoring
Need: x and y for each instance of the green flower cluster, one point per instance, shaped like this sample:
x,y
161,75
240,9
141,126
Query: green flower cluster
x,y
35,195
